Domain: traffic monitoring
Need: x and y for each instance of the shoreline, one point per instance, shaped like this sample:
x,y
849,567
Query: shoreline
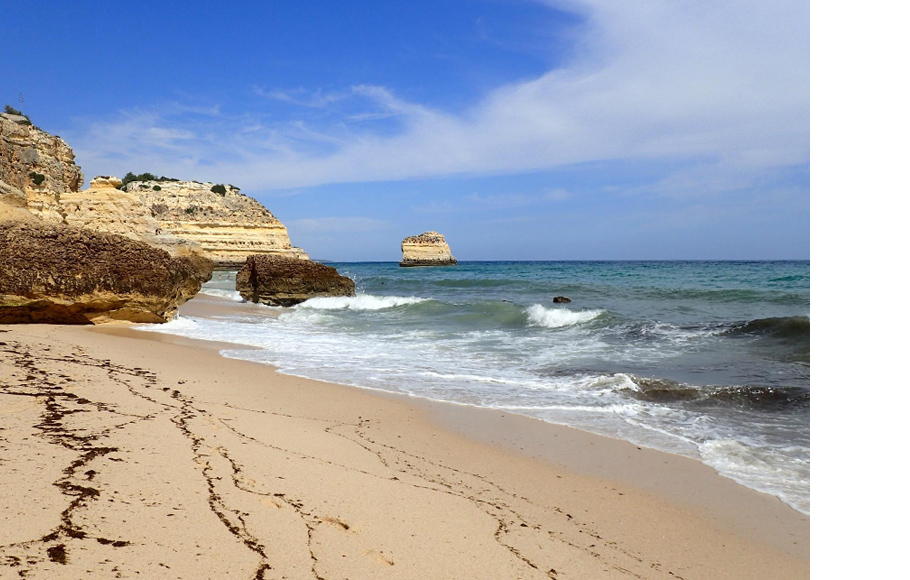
x,y
518,491
214,306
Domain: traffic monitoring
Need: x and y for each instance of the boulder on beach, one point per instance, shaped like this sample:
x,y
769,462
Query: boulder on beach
x,y
281,281
62,274
426,249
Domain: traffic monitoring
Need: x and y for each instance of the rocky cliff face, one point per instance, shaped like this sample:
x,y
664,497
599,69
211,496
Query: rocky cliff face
x,y
35,168
38,172
104,208
228,227
426,249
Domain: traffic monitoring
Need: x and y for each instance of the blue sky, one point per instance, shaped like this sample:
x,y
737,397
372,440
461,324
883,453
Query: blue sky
x,y
552,129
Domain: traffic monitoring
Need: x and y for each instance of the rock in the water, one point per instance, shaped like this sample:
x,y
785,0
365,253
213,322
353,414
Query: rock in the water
x,y
281,281
426,249
560,300
63,274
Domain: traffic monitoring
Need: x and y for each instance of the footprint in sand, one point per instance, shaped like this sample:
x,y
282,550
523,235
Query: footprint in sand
x,y
379,558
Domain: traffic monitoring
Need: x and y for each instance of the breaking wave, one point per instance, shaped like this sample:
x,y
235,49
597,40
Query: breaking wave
x,y
558,317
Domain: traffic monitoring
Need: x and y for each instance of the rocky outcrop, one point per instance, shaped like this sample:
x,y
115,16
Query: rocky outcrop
x,y
62,274
38,171
104,208
281,281
35,167
427,249
228,226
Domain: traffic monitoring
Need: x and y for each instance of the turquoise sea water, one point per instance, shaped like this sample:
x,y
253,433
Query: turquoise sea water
x,y
704,359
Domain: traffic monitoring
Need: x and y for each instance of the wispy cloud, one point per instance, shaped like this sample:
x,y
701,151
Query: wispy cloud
x,y
723,87
494,201
345,225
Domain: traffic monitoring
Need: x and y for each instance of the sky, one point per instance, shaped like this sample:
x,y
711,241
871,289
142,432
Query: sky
x,y
520,129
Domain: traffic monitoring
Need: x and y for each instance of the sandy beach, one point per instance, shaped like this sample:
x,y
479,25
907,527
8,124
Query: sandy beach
x,y
131,454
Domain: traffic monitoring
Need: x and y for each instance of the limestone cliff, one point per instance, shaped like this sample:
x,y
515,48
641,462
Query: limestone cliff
x,y
229,226
426,249
38,172
35,167
104,208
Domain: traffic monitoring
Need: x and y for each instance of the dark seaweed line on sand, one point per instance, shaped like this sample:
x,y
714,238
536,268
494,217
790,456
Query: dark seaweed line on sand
x,y
414,470
59,403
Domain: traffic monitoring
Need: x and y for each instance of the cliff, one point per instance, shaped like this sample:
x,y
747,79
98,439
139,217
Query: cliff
x,y
228,227
35,168
426,249
38,172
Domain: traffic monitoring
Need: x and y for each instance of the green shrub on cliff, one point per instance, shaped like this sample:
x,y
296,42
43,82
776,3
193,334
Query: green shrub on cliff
x,y
219,189
11,111
37,178
130,177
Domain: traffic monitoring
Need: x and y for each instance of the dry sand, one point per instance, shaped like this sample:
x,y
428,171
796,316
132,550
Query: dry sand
x,y
123,456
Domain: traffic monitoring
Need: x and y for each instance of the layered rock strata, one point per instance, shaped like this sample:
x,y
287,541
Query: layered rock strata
x,y
38,172
62,274
281,281
228,227
426,249
35,167
105,208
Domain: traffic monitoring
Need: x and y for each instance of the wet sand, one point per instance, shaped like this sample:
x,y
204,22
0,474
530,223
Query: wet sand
x,y
126,454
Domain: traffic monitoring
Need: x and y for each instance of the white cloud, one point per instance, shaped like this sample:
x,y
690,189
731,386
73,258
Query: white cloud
x,y
345,225
725,83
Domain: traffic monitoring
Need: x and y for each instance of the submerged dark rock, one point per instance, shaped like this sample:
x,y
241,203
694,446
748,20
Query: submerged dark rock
x,y
560,300
61,274
281,281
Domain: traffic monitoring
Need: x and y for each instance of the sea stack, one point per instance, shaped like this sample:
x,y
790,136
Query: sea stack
x,y
426,249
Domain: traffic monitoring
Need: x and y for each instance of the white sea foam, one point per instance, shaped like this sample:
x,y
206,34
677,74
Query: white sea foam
x,y
179,325
762,468
567,375
539,315
229,294
617,382
361,302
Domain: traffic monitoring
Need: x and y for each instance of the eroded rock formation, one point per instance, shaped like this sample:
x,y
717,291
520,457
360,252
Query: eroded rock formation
x,y
63,274
38,171
104,208
282,281
426,249
35,167
228,227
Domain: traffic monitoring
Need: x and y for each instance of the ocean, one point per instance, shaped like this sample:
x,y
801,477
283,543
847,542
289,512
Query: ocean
x,y
704,359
